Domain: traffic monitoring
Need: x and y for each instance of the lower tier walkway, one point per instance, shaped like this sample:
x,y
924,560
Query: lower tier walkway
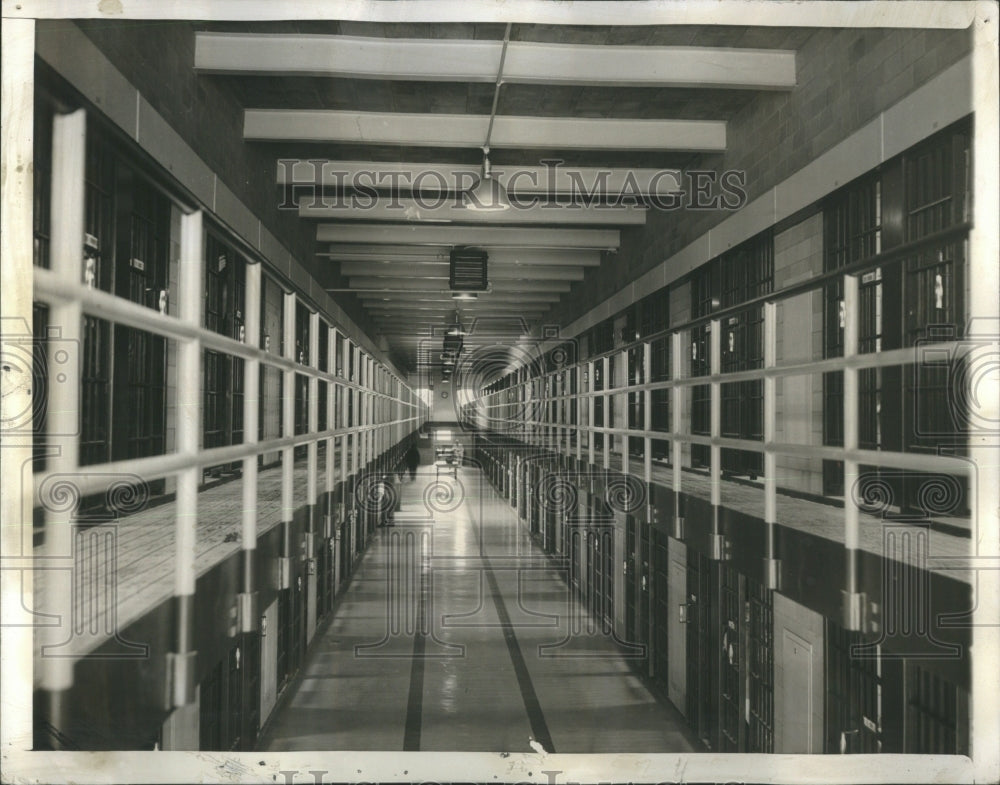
x,y
458,633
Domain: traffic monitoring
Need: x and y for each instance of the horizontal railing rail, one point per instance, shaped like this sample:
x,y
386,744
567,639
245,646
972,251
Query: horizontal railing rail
x,y
49,286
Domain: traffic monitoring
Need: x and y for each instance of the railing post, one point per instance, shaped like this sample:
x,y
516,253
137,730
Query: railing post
x,y
984,328
69,145
591,408
606,403
287,431
16,127
647,408
312,459
330,530
772,566
677,426
715,388
249,614
181,666
853,602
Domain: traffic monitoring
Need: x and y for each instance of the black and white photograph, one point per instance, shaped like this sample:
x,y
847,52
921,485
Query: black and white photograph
x,y
506,391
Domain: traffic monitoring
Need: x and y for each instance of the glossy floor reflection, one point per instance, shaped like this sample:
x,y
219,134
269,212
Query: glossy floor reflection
x,y
458,633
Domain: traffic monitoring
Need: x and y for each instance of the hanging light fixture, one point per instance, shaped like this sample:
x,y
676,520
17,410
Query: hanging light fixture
x,y
487,195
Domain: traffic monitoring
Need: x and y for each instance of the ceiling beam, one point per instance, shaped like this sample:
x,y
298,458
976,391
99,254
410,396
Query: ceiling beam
x,y
419,317
391,308
447,211
423,297
611,13
525,272
411,284
373,254
436,178
483,236
464,130
526,62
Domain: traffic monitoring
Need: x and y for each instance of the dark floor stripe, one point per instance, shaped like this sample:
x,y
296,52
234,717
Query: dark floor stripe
x,y
415,701
539,728
536,718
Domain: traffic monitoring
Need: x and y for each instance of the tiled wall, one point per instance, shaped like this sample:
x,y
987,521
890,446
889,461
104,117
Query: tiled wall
x,y
798,256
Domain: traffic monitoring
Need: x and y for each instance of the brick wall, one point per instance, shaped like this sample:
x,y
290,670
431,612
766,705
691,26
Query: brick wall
x,y
845,78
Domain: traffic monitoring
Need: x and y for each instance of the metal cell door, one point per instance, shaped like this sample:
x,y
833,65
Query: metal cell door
x,y
661,607
731,730
854,693
140,357
852,231
594,572
210,709
608,549
234,699
936,714
643,584
633,635
704,298
551,513
576,554
251,675
96,365
699,708
746,272
760,668
297,633
301,386
284,636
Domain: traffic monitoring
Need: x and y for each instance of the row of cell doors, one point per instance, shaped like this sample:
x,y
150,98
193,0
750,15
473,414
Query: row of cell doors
x,y
240,691
729,681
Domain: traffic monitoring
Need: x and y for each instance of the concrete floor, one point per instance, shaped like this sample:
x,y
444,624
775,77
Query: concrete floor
x,y
457,633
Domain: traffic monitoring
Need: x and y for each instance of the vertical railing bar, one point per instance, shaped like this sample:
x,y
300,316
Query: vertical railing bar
x,y
288,424
69,146
647,407
344,401
770,431
851,513
331,353
18,131
606,404
189,403
984,406
676,416
770,416
715,389
251,417
313,413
